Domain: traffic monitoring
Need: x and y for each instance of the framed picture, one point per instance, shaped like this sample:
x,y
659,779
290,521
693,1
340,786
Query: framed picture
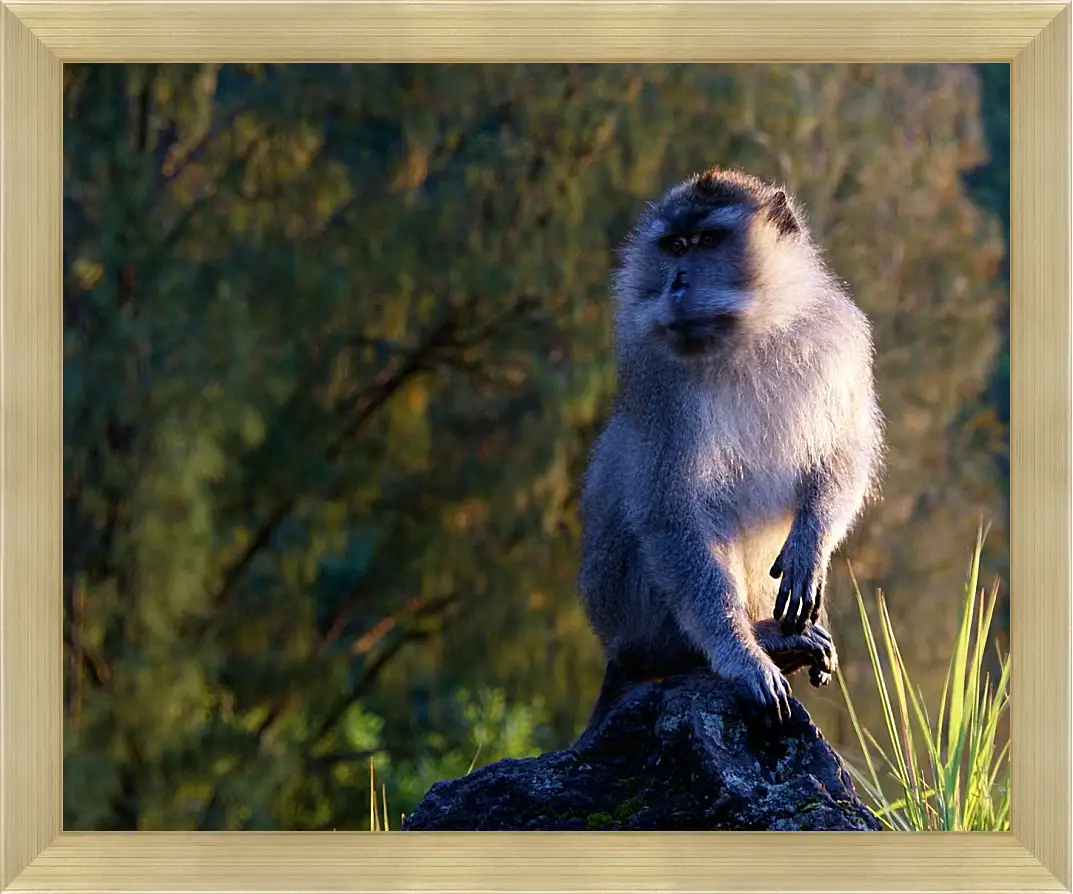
x,y
38,38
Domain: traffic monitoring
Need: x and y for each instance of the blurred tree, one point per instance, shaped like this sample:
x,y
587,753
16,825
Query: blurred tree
x,y
336,344
989,186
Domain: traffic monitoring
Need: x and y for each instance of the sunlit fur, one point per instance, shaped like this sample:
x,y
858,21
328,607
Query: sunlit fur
x,y
762,433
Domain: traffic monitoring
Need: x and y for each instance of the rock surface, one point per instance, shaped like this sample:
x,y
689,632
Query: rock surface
x,y
686,753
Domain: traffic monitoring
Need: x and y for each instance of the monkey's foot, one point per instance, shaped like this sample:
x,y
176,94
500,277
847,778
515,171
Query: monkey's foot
x,y
814,649
824,655
765,684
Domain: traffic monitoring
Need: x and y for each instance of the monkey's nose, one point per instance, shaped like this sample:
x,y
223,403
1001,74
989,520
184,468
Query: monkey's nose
x,y
679,286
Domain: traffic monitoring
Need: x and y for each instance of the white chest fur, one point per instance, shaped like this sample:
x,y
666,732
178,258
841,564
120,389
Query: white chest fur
x,y
757,434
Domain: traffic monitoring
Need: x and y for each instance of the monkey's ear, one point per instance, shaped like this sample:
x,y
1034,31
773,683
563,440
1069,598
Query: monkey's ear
x,y
782,215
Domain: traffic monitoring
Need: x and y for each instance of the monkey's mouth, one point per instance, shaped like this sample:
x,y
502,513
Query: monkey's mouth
x,y
689,337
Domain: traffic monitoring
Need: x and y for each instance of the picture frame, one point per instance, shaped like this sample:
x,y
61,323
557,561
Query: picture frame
x,y
38,36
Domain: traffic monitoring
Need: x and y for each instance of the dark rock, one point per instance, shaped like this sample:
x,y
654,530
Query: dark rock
x,y
687,753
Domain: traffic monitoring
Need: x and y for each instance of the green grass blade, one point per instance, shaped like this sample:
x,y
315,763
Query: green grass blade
x,y
888,814
902,775
900,772
936,790
865,751
964,782
961,650
898,677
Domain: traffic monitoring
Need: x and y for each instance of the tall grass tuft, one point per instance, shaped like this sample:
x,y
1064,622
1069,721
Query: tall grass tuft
x,y
950,775
378,821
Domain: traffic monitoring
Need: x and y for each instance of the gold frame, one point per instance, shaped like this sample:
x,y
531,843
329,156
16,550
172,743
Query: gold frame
x,y
36,37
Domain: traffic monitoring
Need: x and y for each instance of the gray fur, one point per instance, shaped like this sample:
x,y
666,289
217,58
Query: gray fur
x,y
743,443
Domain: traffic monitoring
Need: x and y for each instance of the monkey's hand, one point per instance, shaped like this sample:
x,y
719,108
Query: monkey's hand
x,y
803,570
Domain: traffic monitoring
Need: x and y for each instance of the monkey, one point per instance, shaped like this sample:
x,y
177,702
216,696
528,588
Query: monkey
x,y
744,442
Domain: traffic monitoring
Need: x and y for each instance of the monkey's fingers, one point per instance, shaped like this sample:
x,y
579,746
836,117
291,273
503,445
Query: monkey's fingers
x,y
799,610
768,687
821,586
776,569
770,705
818,677
817,604
778,694
824,654
799,606
781,602
783,695
806,599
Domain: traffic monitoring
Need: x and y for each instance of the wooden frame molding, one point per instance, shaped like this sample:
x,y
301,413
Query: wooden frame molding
x,y
36,37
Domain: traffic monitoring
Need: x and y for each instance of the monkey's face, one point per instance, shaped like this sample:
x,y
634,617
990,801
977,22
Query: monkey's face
x,y
691,268
687,278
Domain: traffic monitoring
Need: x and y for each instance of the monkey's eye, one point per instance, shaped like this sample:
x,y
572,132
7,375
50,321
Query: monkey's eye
x,y
676,245
711,238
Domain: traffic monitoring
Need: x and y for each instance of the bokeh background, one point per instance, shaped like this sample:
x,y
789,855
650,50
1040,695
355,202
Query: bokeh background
x,y
336,343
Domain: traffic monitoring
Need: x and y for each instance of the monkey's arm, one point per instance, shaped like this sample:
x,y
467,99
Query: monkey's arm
x,y
680,549
830,497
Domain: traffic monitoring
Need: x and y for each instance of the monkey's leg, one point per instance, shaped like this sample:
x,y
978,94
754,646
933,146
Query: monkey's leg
x,y
814,649
709,609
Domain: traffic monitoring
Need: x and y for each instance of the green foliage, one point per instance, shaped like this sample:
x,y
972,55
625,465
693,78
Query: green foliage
x,y
336,344
597,821
962,780
477,729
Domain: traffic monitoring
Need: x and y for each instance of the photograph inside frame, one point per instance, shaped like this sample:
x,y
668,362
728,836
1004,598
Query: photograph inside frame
x,y
536,447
